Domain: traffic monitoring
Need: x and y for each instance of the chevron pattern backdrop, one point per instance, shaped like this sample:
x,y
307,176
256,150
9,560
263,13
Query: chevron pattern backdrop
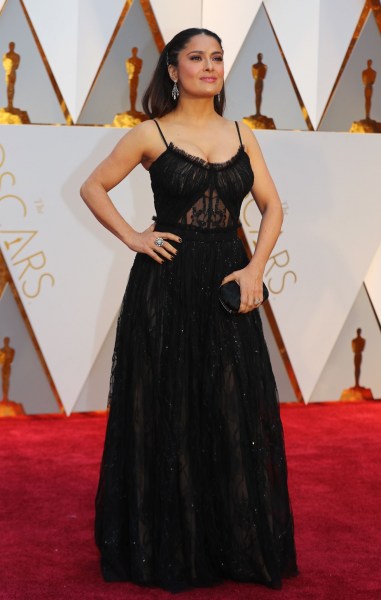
x,y
62,276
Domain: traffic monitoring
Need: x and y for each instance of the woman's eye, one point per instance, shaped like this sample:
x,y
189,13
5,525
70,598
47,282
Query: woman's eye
x,y
215,58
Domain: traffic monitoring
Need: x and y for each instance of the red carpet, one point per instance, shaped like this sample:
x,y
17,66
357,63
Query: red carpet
x,y
49,470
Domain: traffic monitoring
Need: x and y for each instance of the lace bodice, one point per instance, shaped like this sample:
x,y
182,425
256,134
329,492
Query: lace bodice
x,y
193,192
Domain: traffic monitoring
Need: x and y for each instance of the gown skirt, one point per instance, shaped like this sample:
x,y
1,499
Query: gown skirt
x,y
193,480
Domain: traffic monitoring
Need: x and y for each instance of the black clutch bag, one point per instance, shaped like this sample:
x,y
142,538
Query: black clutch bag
x,y
230,296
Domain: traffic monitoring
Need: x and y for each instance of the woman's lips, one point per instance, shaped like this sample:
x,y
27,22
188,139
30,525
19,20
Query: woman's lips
x,y
209,79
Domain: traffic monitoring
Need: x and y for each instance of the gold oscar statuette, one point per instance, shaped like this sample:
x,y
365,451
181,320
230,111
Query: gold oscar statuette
x,y
7,407
367,125
132,117
258,121
10,115
357,392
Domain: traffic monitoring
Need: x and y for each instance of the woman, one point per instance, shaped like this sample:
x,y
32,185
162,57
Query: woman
x,y
193,483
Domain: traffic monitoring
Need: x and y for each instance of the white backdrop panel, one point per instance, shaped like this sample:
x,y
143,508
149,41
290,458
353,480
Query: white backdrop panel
x,y
279,100
231,23
102,105
314,36
373,281
173,17
72,306
74,35
33,89
285,390
338,373
329,184
296,24
94,394
348,102
337,23
29,384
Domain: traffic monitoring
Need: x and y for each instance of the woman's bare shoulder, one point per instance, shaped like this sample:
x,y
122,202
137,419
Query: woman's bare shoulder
x,y
138,138
248,137
245,129
143,130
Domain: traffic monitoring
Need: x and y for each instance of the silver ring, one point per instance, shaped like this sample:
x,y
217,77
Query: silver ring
x,y
257,301
159,241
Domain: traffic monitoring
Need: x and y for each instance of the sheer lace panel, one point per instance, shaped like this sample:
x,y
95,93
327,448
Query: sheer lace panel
x,y
193,192
208,212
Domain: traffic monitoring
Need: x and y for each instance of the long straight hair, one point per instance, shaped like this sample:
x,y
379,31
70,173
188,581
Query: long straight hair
x,y
157,100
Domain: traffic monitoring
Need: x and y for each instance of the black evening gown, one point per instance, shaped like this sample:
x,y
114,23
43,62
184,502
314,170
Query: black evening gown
x,y
193,480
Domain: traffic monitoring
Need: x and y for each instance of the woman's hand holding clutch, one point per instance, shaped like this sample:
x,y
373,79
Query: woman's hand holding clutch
x,y
245,291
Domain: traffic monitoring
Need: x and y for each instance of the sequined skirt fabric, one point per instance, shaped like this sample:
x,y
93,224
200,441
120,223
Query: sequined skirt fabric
x,y
193,481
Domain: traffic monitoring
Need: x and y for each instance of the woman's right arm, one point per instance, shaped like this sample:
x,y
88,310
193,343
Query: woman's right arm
x,y
131,150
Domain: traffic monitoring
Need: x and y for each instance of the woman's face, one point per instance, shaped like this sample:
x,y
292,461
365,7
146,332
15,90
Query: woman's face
x,y
200,69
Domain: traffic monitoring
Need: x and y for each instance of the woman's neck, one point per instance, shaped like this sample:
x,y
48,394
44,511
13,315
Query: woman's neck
x,y
195,111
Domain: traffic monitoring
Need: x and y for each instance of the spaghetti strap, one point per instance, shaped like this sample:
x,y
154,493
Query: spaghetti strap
x,y
161,133
239,133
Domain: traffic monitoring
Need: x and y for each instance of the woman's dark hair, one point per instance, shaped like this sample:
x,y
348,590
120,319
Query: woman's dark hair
x,y
157,100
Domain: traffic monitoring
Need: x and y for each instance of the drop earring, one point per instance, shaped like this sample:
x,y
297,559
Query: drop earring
x,y
175,91
219,97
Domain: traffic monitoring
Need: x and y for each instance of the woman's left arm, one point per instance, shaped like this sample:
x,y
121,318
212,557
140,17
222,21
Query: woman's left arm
x,y
267,199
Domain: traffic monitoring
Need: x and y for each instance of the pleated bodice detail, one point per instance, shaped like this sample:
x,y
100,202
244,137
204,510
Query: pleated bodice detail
x,y
191,191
